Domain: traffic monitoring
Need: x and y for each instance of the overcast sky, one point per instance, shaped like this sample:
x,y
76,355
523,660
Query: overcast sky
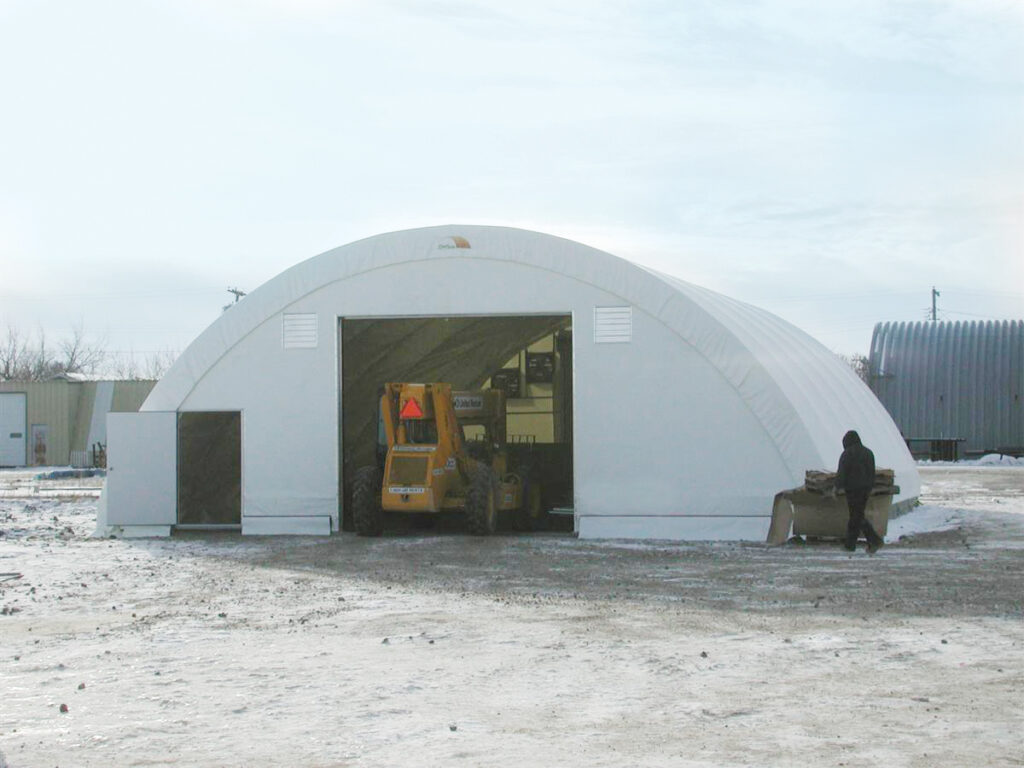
x,y
828,161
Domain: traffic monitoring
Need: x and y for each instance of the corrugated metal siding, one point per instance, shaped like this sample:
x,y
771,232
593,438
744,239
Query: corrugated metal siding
x,y
129,395
959,379
66,408
52,403
83,417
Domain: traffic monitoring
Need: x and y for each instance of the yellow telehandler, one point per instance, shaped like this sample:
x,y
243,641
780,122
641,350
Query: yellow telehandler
x,y
429,466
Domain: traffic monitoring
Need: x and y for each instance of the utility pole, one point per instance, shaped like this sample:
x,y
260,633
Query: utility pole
x,y
935,295
238,295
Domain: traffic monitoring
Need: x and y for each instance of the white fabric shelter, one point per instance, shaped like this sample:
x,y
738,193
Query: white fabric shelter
x,y
691,410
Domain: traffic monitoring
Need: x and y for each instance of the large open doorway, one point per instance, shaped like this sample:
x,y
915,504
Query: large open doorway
x,y
528,357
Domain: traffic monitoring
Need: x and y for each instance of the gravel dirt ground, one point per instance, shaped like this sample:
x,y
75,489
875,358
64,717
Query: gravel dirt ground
x,y
430,648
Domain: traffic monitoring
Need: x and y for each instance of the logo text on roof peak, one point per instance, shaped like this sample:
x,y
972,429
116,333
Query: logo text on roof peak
x,y
455,241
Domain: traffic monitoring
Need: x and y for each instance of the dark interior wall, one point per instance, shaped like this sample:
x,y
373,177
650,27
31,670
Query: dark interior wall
x,y
463,351
210,468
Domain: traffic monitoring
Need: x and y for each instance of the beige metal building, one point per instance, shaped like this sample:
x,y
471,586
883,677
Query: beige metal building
x,y
63,421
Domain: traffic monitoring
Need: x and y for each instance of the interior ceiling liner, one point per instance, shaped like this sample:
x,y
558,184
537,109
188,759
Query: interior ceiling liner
x,y
462,351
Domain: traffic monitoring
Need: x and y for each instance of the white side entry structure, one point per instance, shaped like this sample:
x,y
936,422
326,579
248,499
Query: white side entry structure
x,y
142,471
690,410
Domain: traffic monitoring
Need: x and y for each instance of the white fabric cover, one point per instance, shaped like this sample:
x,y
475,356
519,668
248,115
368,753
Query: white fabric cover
x,y
800,396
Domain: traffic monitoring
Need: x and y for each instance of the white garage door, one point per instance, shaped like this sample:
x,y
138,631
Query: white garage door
x,y
13,409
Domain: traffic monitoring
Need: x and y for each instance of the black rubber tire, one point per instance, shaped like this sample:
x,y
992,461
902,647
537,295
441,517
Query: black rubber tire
x,y
481,504
478,450
367,515
533,506
530,515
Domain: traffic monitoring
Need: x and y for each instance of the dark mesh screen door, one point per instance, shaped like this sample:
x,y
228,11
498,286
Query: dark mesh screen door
x,y
210,468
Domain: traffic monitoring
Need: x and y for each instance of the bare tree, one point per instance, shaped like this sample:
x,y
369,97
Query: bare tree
x,y
79,355
14,355
42,364
158,363
24,358
150,366
124,367
860,364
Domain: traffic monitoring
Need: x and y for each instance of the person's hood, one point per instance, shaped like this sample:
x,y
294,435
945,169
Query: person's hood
x,y
850,439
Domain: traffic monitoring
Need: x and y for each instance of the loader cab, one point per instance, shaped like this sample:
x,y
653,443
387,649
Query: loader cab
x,y
419,432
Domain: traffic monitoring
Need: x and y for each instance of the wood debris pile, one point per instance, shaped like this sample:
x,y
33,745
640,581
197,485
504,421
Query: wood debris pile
x,y
820,481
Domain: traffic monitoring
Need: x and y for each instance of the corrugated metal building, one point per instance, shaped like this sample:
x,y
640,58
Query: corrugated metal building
x,y
954,381
48,423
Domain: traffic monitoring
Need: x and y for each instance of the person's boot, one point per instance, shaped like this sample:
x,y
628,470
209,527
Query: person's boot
x,y
874,546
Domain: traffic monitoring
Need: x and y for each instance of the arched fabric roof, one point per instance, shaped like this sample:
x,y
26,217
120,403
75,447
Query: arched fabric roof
x,y
802,395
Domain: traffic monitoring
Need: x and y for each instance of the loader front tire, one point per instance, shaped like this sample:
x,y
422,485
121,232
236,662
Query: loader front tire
x,y
367,515
481,507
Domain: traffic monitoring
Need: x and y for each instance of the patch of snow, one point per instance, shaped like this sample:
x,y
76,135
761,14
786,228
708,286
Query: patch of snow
x,y
924,519
210,650
988,460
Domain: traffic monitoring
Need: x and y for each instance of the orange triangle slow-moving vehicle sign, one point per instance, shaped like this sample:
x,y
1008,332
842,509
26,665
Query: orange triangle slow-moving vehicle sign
x,y
411,410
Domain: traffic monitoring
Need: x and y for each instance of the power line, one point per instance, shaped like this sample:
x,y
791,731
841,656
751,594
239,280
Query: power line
x,y
126,295
969,314
970,292
817,297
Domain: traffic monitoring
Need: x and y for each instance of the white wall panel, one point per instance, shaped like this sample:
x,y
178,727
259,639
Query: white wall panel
x,y
141,485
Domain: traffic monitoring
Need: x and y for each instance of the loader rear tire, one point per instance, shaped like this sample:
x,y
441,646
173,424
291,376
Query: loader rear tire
x,y
530,515
481,507
367,515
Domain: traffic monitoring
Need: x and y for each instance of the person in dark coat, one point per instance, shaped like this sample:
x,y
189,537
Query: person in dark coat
x,y
856,476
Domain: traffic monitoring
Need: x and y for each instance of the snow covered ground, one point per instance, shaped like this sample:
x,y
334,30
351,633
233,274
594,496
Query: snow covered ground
x,y
988,460
440,649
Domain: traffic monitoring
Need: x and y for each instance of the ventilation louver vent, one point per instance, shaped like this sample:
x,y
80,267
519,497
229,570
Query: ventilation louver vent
x,y
300,331
613,325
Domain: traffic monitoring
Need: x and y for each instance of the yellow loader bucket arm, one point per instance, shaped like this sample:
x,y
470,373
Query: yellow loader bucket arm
x,y
449,431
